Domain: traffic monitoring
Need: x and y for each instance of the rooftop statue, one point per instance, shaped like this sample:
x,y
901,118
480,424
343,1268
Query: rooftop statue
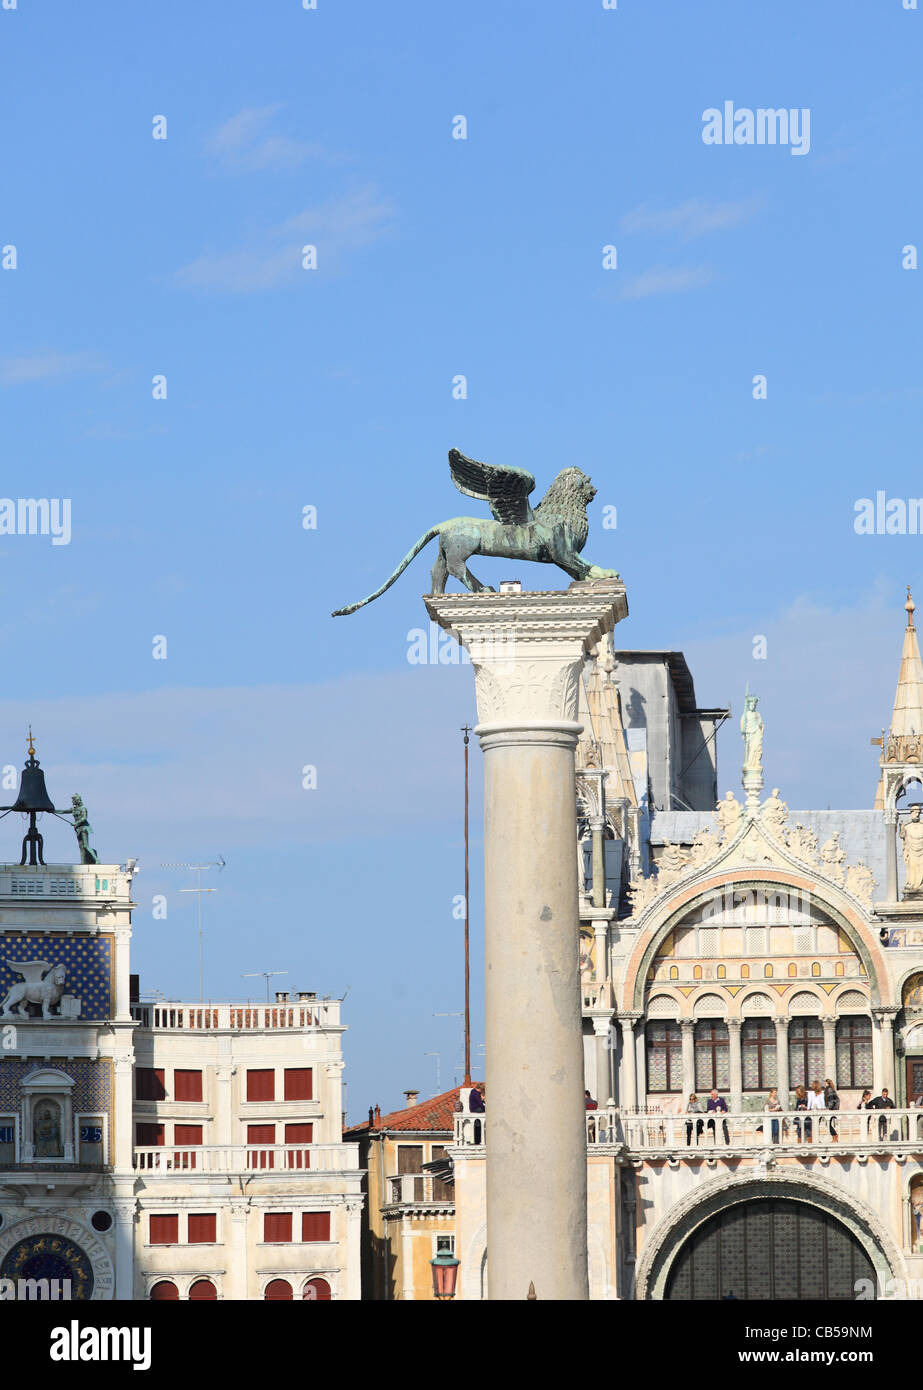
x,y
553,533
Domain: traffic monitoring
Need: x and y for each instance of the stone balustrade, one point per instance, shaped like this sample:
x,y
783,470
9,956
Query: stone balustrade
x,y
169,1160
417,1189
237,1018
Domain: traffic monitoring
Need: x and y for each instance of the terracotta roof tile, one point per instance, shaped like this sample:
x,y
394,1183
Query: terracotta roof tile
x,y
435,1114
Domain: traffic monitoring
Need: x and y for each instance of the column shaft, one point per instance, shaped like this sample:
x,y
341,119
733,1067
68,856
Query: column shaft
x,y
737,1081
688,1030
782,1062
628,1097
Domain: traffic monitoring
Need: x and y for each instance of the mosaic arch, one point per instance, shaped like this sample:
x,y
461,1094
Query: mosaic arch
x,y
850,1238
790,932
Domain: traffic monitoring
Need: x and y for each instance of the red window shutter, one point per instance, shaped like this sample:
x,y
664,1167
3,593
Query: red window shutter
x,y
203,1230
315,1225
299,1134
203,1289
164,1230
278,1289
277,1225
299,1083
148,1135
165,1290
318,1290
187,1085
187,1134
261,1134
261,1085
149,1083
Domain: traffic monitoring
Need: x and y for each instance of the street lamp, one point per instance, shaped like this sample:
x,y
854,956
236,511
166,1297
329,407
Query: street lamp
x,y
445,1274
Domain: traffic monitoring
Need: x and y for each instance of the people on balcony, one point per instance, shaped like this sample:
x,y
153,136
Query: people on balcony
x,y
831,1102
882,1102
772,1107
718,1105
694,1107
801,1103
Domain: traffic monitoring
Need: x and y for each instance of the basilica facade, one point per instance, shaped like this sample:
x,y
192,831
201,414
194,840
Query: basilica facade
x,y
732,951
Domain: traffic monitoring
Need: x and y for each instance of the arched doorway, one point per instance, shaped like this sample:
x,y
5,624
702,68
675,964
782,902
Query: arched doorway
x,y
165,1291
203,1290
769,1248
278,1289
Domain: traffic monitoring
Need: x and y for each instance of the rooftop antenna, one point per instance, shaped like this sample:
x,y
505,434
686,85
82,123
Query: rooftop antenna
x,y
264,974
458,1013
218,864
438,1056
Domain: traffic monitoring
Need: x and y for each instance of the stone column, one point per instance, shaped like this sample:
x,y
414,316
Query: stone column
x,y
122,999
628,1091
527,650
885,1039
353,1260
829,1025
124,1213
688,1030
236,1282
782,1062
603,1053
601,932
890,857
736,1064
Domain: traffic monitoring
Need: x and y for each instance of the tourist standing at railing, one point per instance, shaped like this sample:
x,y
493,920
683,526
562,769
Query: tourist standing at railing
x,y
816,1101
865,1103
882,1102
832,1102
694,1107
588,1102
719,1104
801,1103
773,1106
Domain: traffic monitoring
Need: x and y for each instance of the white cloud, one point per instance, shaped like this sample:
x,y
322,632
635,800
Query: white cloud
x,y
243,143
41,366
664,280
693,218
343,224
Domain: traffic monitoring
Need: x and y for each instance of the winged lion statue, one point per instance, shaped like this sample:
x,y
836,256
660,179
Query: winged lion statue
x,y
41,983
554,532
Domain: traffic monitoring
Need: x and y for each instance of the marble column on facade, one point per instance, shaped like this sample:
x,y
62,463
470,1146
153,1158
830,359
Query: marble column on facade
x,y
122,1001
890,855
736,1066
123,1210
687,1027
354,1248
601,933
602,1037
628,1090
121,1141
236,1280
829,1025
784,1090
884,1061
224,1111
528,651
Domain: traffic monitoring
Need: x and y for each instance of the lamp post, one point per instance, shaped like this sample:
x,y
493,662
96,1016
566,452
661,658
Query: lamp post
x,y
445,1274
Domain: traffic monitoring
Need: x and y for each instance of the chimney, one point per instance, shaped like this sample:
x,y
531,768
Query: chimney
x,y
412,1098
306,996
281,996
377,1116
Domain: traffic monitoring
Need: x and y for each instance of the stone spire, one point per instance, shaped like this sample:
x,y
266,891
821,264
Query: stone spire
x,y
904,742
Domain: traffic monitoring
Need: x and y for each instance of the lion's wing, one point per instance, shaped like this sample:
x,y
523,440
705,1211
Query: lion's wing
x,y
505,489
30,970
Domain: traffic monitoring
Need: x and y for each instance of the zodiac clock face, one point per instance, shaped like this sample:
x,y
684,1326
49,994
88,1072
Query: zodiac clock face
x,y
48,1256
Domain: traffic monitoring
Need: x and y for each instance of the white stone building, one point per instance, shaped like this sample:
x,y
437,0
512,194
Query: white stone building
x,y
164,1150
733,950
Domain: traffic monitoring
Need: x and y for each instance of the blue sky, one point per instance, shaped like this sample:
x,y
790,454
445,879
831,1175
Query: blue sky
x,y
331,388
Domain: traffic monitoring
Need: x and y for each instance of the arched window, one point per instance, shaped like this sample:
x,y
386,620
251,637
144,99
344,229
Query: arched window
x,y
664,1057
792,970
203,1289
854,1052
767,971
278,1289
745,972
165,1291
697,972
805,1051
318,1289
758,1054
815,968
839,968
674,972
722,972
712,1064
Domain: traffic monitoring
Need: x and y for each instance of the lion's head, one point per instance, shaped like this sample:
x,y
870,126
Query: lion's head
x,y
566,501
58,975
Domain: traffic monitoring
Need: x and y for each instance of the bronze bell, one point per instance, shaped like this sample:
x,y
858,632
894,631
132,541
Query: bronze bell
x,y
33,794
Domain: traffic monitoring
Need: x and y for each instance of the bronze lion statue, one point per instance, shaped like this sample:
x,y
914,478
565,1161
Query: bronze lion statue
x,y
552,533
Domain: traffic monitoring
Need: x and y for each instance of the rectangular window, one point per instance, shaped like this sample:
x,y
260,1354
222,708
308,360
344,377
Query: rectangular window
x,y
664,1057
854,1052
164,1230
315,1225
187,1085
410,1158
805,1051
90,1139
203,1229
299,1083
277,1226
756,941
7,1141
187,1134
712,1059
709,941
148,1135
758,1054
261,1135
149,1083
442,1191
446,1243
299,1134
261,1085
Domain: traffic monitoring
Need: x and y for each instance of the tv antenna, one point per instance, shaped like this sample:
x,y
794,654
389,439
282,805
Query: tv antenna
x,y
264,975
218,864
438,1057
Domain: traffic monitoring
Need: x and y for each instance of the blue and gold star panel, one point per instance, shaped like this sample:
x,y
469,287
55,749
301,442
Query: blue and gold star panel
x,y
88,960
92,1082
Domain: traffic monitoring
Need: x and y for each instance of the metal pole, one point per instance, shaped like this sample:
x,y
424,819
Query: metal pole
x,y
466,730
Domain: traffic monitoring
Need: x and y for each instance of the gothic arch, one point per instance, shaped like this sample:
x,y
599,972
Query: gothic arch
x,y
665,1241
837,905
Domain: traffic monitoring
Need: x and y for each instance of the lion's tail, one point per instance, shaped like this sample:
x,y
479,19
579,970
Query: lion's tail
x,y
411,555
